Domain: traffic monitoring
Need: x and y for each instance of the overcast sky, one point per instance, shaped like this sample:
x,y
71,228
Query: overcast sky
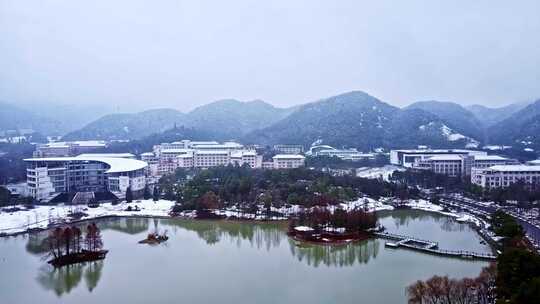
x,y
181,54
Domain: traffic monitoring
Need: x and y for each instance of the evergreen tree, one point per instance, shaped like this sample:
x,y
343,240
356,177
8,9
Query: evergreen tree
x,y
129,195
5,196
155,195
147,194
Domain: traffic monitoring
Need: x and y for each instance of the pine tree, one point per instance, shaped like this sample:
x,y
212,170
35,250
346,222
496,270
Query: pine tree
x,y
129,195
155,196
147,194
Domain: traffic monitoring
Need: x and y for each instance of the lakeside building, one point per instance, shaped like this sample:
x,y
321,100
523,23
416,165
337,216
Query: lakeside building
x,y
344,154
49,177
502,176
410,157
68,148
167,157
288,161
456,163
289,149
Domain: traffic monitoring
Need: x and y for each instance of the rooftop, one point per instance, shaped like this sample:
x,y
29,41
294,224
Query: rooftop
x,y
515,168
489,157
288,156
446,157
116,165
114,155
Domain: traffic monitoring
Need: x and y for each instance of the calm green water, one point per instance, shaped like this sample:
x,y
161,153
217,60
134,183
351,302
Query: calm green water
x,y
224,262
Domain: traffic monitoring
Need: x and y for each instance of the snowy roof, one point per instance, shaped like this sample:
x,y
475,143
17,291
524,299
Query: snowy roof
x,y
176,150
187,155
288,156
199,152
114,155
534,162
515,168
147,154
489,157
83,143
116,165
446,157
440,151
243,153
217,146
303,228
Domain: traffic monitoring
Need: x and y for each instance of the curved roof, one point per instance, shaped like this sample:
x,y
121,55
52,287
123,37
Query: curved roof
x,y
116,165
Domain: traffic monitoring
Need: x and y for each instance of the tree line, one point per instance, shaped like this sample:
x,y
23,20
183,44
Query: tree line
x,y
246,187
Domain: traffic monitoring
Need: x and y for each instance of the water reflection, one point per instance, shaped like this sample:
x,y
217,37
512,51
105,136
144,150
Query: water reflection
x,y
63,280
338,256
259,235
406,217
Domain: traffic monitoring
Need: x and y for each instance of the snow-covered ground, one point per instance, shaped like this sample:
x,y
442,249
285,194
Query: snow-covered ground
x,y
378,172
41,216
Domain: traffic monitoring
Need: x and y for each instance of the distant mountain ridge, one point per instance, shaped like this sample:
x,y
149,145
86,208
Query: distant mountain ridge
x,y
454,116
15,118
357,119
521,128
353,119
491,116
226,119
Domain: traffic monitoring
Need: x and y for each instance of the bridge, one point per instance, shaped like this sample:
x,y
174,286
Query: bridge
x,y
430,247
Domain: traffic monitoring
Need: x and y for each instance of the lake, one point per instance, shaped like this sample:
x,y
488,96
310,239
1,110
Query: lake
x,y
232,262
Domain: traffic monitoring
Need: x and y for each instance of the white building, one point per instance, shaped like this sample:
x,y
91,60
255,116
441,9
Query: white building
x,y
68,148
408,157
486,161
198,154
50,176
289,149
345,154
504,175
448,164
288,161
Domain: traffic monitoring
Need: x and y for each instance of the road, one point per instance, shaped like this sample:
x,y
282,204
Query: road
x,y
532,230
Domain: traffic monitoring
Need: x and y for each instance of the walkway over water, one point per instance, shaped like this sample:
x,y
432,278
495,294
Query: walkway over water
x,y
430,247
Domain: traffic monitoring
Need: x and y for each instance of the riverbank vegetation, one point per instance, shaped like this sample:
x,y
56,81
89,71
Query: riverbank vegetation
x,y
67,245
248,188
323,225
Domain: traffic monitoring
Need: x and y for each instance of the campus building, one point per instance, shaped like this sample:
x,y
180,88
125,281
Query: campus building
x,y
50,176
167,157
344,154
289,149
68,148
502,176
288,161
410,157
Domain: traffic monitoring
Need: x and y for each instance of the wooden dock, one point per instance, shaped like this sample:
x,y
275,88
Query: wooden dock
x,y
430,247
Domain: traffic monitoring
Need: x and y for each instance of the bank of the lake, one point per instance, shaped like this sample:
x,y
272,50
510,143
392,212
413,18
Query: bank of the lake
x,y
227,261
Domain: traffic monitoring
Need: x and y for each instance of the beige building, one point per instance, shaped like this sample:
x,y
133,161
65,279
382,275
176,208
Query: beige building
x,y
288,161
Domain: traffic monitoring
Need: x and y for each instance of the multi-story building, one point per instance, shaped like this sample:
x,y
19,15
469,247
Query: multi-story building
x,y
288,161
448,164
345,154
486,161
69,148
50,176
289,149
198,154
408,158
502,176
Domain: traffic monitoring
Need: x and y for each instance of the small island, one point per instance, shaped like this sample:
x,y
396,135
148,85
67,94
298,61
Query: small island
x,y
155,238
67,245
320,225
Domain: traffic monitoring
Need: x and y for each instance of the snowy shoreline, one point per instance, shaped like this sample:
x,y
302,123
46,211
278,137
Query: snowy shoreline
x,y
43,217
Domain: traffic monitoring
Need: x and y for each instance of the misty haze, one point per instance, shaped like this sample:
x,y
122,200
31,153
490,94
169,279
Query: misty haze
x,y
269,152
